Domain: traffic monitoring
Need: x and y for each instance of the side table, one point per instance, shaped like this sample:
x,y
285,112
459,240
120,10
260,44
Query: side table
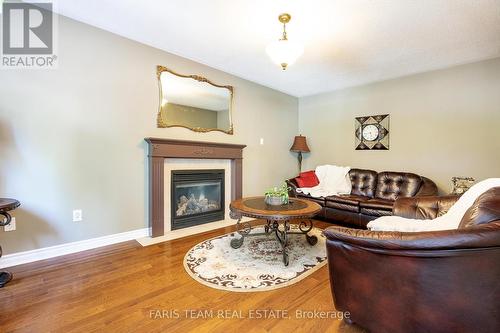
x,y
6,205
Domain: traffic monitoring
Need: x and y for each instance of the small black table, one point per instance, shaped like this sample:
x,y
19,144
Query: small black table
x,y
6,205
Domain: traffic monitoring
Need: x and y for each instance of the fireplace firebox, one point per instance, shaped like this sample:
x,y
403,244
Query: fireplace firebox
x,y
197,197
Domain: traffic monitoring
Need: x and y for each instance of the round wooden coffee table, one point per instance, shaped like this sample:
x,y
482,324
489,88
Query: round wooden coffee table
x,y
278,220
6,205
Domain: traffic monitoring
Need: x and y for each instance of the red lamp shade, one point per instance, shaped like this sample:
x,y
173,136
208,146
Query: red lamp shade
x,y
300,145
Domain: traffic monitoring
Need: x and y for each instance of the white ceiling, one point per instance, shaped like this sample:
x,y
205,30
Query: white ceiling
x,y
347,42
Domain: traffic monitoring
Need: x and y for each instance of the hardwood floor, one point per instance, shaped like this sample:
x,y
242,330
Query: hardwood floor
x,y
123,287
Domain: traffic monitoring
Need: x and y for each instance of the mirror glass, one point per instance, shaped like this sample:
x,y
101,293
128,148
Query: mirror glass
x,y
194,102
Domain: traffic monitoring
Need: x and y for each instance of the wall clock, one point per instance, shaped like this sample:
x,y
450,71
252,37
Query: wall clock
x,y
372,132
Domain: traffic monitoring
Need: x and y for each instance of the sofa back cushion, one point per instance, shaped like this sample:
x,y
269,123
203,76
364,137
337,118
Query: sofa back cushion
x,y
485,209
363,182
393,185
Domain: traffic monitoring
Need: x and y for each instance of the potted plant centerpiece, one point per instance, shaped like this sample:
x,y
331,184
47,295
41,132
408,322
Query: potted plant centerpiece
x,y
277,196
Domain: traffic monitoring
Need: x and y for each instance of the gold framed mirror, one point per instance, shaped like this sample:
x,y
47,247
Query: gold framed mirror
x,y
193,102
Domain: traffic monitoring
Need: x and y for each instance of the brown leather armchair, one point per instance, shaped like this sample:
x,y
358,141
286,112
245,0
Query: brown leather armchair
x,y
442,281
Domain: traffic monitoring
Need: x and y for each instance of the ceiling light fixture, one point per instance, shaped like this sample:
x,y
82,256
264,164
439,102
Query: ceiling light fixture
x,y
284,52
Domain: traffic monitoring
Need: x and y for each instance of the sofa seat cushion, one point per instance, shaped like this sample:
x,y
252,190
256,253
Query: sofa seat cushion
x,y
320,201
375,212
347,202
376,207
382,204
343,206
348,199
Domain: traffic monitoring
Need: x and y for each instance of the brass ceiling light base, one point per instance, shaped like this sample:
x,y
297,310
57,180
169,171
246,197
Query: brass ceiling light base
x,y
282,51
284,18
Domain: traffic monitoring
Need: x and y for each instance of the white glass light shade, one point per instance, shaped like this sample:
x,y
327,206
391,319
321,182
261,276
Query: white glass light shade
x,y
284,52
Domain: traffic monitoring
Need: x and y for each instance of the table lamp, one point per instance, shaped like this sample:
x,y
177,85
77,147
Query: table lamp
x,y
300,146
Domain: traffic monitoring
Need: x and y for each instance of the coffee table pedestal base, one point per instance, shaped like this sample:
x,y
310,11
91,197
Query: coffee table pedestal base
x,y
281,230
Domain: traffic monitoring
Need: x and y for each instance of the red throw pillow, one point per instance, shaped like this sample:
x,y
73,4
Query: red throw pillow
x,y
307,179
307,174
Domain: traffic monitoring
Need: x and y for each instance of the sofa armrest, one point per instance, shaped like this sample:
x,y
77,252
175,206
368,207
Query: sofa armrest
x,y
292,184
482,236
428,188
423,208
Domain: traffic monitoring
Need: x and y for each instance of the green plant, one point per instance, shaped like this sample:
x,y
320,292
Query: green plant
x,y
281,192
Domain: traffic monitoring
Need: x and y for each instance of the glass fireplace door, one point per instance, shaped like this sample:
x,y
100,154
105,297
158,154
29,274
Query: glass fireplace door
x,y
197,197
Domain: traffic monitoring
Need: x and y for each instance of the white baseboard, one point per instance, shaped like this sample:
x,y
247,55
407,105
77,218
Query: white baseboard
x,y
169,235
59,250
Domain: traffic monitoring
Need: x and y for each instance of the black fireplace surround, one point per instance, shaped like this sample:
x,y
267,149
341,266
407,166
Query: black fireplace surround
x,y
197,197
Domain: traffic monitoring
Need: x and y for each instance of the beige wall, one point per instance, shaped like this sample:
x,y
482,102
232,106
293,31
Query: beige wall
x,y
73,137
443,123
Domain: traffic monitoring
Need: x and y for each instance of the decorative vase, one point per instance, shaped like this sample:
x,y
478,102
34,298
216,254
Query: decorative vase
x,y
274,201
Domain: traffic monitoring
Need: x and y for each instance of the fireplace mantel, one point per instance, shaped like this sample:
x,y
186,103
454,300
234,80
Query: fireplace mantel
x,y
160,149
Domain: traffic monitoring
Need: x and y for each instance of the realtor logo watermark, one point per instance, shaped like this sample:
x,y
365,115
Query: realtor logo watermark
x,y
28,31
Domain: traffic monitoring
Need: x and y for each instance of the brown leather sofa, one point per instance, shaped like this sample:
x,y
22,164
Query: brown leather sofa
x,y
442,281
372,195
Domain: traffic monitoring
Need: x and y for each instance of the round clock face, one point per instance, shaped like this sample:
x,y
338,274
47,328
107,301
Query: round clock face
x,y
370,132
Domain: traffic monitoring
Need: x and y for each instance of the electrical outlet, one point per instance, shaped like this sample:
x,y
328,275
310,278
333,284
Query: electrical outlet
x,y
77,215
11,226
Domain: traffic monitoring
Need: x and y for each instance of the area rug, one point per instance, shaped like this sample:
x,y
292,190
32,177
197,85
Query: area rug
x,y
257,265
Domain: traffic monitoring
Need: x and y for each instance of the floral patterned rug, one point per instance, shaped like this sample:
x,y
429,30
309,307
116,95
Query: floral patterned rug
x,y
257,265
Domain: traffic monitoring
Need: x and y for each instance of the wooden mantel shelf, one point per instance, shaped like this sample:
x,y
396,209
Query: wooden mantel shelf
x,y
159,149
193,143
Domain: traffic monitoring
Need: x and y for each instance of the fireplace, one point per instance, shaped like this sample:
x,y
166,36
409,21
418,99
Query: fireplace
x,y
161,149
197,197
